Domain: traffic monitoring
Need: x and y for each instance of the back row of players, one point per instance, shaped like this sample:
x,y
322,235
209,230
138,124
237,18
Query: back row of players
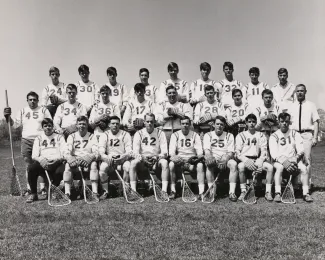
x,y
209,99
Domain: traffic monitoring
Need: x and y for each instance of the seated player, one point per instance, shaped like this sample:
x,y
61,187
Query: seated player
x,y
81,151
136,109
48,150
115,148
185,150
219,151
251,152
150,151
67,113
287,150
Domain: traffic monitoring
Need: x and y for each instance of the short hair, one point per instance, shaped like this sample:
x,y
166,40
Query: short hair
x,y
46,121
284,115
82,118
33,94
150,114
144,70
301,85
105,88
205,66
171,87
111,70
254,70
236,90
208,87
228,64
267,91
172,66
222,119
114,118
251,116
72,87
282,70
139,87
54,69
83,68
185,118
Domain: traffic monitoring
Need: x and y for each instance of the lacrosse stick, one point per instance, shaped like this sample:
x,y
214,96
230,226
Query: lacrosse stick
x,y
209,195
130,195
89,196
250,197
159,194
288,195
187,194
56,197
15,188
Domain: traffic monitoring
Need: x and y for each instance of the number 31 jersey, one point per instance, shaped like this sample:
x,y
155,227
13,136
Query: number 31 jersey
x,y
50,147
218,145
112,145
80,145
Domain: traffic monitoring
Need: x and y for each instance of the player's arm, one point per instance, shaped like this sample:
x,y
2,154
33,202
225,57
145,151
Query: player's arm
x,y
69,148
263,148
57,121
45,96
197,114
230,147
124,99
116,111
185,96
259,122
219,90
47,113
83,110
299,144
62,146
207,145
187,111
96,94
315,120
94,146
102,144
162,93
36,152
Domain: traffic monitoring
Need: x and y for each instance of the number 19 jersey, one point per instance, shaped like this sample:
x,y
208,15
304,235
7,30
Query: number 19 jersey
x,y
112,145
218,145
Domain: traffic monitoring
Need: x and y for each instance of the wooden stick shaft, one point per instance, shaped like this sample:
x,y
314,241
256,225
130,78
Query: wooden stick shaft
x,y
10,135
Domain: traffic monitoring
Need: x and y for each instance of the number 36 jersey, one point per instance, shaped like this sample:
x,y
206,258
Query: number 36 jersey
x,y
218,145
112,145
80,145
50,147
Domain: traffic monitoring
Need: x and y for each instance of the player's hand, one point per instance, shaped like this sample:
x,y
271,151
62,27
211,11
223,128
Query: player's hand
x,y
82,163
193,102
171,111
72,161
44,163
102,125
293,159
107,159
259,163
210,161
7,112
230,122
290,166
250,164
314,142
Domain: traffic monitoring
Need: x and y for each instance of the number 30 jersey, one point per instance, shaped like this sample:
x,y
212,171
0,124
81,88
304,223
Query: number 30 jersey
x,y
50,147
80,145
67,114
112,145
218,145
88,93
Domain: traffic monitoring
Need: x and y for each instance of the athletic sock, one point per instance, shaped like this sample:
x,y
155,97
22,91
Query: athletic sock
x,y
305,190
268,187
67,188
133,185
277,188
105,186
243,187
173,187
42,185
94,186
210,184
164,185
201,188
232,187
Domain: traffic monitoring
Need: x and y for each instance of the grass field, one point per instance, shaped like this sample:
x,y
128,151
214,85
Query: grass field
x,y
114,229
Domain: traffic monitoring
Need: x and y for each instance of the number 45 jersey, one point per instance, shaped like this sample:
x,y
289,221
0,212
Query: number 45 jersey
x,y
80,145
50,147
218,145
112,145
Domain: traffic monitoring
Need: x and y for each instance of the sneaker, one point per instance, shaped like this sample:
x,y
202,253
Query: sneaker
x,y
42,194
233,197
31,198
96,195
200,197
104,196
277,197
164,194
307,198
172,195
27,192
242,195
268,196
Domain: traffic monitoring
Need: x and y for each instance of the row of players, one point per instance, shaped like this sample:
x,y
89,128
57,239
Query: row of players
x,y
220,152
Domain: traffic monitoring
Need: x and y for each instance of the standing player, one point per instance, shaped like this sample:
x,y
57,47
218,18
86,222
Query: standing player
x,y
253,90
219,148
226,85
30,119
283,91
149,144
81,151
181,86
184,146
251,152
65,118
287,150
115,148
54,93
197,92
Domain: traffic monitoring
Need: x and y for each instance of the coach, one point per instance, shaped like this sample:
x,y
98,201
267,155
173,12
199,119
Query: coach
x,y
305,120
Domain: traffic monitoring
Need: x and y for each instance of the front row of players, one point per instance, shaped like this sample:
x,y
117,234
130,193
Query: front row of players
x,y
100,156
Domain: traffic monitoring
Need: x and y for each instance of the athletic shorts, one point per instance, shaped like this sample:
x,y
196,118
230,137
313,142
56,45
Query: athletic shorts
x,y
26,147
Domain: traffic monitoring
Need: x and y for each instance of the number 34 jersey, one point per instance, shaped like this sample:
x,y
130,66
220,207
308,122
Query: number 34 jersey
x,y
218,145
67,114
50,147
118,144
80,145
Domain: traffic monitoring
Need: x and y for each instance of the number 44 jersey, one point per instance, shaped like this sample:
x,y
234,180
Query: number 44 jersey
x,y
218,145
50,147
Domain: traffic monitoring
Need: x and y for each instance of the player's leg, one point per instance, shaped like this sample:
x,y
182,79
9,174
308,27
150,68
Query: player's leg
x,y
133,173
94,177
210,175
163,164
68,178
233,176
268,168
278,180
172,171
58,174
33,171
308,143
200,178
242,180
304,177
126,171
104,179
26,152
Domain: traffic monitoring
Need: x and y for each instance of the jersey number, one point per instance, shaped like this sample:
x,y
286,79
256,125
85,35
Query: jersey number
x,y
34,115
240,112
257,90
148,92
83,88
116,92
140,109
101,111
214,110
52,142
284,142
67,111
152,141
186,142
114,142
253,141
216,143
78,143
229,88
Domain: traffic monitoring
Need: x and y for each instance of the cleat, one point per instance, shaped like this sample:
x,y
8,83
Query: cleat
x,y
268,196
242,195
96,195
42,194
27,192
32,198
277,197
172,195
307,198
104,196
233,197
200,197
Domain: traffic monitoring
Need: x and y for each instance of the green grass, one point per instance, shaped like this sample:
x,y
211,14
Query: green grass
x,y
114,229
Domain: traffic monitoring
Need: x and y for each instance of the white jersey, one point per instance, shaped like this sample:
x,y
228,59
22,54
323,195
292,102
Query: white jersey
x,y
119,95
185,146
151,93
251,145
238,113
52,89
253,93
50,147
118,144
98,132
226,88
88,93
218,145
135,109
81,145
153,144
215,109
101,109
180,85
67,114
31,121
264,111
284,95
197,89
288,144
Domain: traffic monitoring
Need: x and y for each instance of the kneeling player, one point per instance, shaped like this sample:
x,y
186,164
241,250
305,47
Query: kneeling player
x,y
251,152
48,151
81,151
219,151
185,147
149,145
115,148
287,150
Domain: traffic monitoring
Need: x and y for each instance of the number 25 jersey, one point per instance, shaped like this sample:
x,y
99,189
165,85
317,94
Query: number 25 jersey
x,y
218,145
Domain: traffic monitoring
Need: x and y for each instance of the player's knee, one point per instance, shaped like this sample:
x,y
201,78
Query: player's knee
x,y
126,166
267,167
103,167
200,168
241,167
163,163
67,176
278,167
134,163
171,166
232,165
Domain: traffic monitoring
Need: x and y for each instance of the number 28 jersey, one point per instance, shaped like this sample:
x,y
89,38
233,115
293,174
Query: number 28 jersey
x,y
81,145
218,145
112,145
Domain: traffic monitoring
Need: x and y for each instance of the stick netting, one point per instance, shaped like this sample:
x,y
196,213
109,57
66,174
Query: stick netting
x,y
56,197
210,194
187,194
288,195
15,187
90,197
131,196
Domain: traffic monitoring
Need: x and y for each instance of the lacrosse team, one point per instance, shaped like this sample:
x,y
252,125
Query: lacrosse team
x,y
207,129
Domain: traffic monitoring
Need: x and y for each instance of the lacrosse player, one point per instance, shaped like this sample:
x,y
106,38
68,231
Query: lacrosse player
x,y
170,112
181,86
151,93
219,151
115,148
287,150
81,151
54,93
119,92
226,85
206,112
133,118
150,151
48,152
254,89
185,150
236,113
251,152
30,119
283,91
197,88
67,113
